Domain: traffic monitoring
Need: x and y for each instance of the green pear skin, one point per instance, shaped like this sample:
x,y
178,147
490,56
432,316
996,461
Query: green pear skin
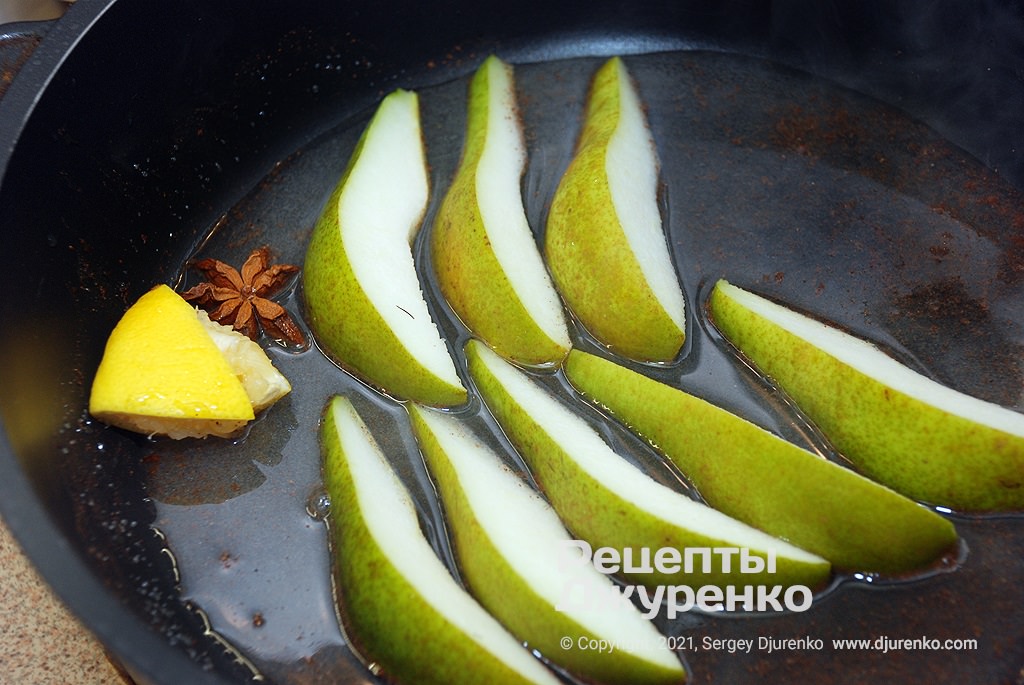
x,y
604,242
774,485
483,251
400,608
608,502
505,539
917,440
362,296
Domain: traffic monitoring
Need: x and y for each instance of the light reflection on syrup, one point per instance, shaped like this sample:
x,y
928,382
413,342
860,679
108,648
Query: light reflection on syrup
x,y
318,506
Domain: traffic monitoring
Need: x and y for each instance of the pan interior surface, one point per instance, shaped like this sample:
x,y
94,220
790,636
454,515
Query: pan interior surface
x,y
822,196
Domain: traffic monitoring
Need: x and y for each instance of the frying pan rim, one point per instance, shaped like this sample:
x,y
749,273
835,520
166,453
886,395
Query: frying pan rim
x,y
146,656
63,569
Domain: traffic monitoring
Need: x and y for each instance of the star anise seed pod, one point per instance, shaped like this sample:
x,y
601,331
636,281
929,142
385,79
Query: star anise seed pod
x,y
240,300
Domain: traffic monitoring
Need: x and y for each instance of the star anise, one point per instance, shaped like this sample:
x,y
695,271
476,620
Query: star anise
x,y
240,300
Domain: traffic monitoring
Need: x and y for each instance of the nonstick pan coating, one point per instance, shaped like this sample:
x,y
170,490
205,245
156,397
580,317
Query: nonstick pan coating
x,y
140,136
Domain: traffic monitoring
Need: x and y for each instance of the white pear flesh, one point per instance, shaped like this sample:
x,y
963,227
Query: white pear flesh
x,y
631,164
363,296
483,249
609,502
898,426
604,242
400,607
510,548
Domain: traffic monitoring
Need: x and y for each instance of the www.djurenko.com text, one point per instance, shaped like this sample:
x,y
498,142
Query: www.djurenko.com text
x,y
766,644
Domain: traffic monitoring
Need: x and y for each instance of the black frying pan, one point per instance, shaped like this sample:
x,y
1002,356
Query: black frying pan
x,y
866,159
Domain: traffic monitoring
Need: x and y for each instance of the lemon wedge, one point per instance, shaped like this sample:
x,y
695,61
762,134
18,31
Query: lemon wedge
x,y
168,369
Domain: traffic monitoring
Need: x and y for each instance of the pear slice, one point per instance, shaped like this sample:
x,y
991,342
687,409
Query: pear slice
x,y
363,297
483,251
901,428
400,607
763,480
510,548
604,242
608,502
